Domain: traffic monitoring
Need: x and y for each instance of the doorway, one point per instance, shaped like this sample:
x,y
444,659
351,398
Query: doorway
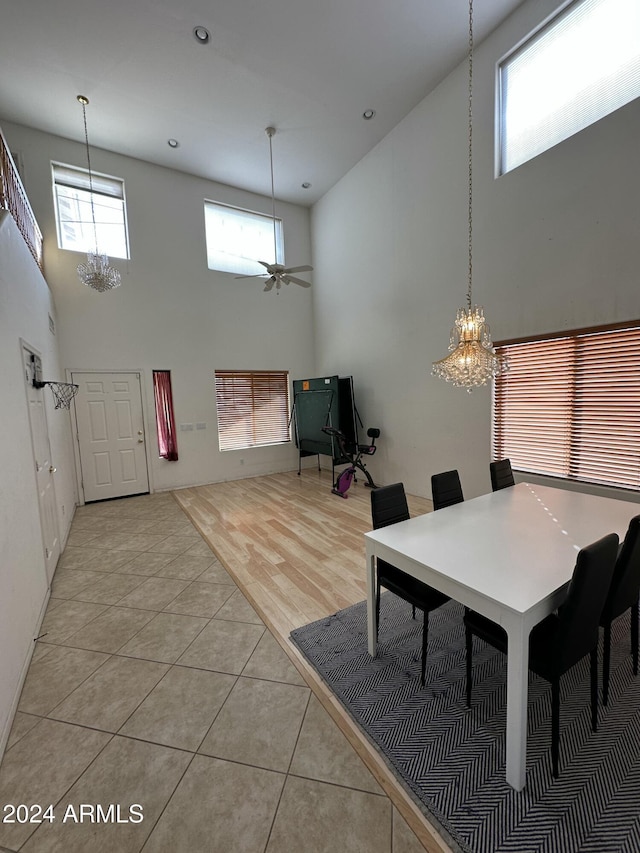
x,y
111,435
44,468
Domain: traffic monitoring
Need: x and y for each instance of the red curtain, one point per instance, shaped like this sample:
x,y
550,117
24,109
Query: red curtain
x,y
165,419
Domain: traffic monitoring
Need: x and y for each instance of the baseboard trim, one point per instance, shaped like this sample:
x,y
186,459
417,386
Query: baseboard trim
x,y
8,723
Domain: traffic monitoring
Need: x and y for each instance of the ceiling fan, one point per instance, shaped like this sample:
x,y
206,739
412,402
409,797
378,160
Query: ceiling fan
x,y
278,273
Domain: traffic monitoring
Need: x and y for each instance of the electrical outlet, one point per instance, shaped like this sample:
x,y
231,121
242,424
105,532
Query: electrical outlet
x,y
201,425
186,427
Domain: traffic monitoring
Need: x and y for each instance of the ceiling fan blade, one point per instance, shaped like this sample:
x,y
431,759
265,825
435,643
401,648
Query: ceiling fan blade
x,y
304,268
269,284
288,278
267,265
257,275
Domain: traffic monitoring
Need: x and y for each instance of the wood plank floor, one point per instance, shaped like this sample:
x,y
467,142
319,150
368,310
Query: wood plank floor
x,y
297,552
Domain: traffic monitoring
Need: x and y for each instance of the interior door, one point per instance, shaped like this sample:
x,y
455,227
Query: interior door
x,y
111,437
44,468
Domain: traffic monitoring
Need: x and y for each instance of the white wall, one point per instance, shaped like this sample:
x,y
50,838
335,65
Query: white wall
x,y
556,246
25,307
171,312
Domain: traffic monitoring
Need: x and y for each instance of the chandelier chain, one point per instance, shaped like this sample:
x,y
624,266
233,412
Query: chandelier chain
x,y
470,126
96,273
84,101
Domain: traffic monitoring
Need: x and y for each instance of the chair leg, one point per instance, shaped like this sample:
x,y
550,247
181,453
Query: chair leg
x,y
606,661
594,689
413,611
425,638
555,725
634,636
469,647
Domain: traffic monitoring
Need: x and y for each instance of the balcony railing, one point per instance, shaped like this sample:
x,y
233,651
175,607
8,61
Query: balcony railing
x,y
14,199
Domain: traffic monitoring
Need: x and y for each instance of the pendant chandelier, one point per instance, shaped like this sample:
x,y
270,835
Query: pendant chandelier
x,y
472,360
96,273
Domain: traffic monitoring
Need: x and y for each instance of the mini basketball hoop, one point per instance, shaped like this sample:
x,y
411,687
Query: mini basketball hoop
x,y
63,393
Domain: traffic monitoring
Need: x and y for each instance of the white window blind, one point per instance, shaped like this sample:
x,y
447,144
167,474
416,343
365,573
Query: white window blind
x,y
578,68
253,408
74,217
569,407
237,239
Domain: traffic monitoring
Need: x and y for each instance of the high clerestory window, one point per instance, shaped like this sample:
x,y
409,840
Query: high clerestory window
x,y
74,217
237,239
575,69
569,406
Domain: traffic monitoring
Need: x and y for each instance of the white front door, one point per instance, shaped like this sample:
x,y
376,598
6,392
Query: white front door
x,y
111,435
44,468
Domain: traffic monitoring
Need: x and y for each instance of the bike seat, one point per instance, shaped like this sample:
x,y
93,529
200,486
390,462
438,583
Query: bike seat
x,y
367,449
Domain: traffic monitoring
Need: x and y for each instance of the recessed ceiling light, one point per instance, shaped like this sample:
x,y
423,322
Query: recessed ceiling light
x,y
368,114
306,185
173,143
201,35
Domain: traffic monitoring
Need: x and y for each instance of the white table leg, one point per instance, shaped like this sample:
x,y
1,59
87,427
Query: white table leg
x,y
517,695
371,601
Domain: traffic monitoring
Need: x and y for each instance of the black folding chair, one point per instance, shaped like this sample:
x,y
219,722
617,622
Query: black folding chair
x,y
562,639
389,506
623,595
501,474
446,489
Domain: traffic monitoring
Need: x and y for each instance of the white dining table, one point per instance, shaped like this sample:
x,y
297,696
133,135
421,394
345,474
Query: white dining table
x,y
508,555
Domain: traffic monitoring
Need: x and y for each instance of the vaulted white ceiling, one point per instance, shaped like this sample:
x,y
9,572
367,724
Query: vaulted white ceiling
x,y
310,68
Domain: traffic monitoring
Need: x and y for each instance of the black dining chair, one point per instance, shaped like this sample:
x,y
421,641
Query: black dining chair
x,y
623,595
562,639
389,506
501,474
446,489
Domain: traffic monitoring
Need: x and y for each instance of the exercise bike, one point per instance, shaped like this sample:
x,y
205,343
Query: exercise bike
x,y
353,453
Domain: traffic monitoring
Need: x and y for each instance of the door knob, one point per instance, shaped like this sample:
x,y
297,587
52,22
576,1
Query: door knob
x,y
140,432
52,470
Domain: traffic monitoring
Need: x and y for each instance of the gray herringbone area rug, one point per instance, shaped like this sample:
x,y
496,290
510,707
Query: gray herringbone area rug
x,y
452,758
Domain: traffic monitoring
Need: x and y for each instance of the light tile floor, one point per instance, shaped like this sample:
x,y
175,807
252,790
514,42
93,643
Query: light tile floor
x,y
156,688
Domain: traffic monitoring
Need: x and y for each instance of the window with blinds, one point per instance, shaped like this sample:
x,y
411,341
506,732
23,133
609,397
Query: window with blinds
x,y
253,408
577,68
76,206
569,406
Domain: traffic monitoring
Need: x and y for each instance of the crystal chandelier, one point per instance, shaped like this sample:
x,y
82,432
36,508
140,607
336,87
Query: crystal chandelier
x,y
96,272
472,360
